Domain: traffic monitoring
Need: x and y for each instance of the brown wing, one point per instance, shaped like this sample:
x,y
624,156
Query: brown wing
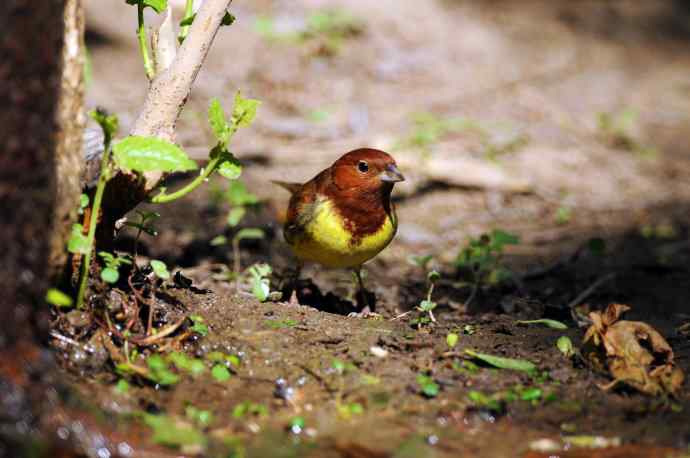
x,y
301,210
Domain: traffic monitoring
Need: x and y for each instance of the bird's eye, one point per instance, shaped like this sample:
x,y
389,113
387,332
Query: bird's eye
x,y
363,167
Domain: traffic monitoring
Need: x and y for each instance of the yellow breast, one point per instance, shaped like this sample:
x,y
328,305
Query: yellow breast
x,y
327,241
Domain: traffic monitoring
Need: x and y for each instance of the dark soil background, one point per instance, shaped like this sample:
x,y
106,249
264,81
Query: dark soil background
x,y
532,79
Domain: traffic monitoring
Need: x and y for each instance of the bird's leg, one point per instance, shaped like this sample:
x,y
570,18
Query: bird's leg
x,y
293,283
366,309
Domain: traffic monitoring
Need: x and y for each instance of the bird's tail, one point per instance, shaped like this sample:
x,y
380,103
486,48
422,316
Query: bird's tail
x,y
291,187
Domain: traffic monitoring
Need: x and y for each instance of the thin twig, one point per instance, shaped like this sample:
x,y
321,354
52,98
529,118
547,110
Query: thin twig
x,y
587,292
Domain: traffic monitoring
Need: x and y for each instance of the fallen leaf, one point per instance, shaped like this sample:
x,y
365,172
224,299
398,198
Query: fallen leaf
x,y
634,353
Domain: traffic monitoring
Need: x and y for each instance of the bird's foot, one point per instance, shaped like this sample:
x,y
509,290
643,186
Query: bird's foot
x,y
366,313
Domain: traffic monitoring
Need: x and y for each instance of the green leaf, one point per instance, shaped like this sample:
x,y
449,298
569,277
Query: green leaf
x,y
156,5
219,125
236,215
421,261
198,325
58,298
261,289
228,19
122,386
147,154
452,339
565,345
110,275
503,363
108,123
429,388
531,394
220,373
188,20
433,276
173,433
553,324
427,306
219,240
249,233
501,238
78,243
83,203
159,371
229,167
244,111
160,269
202,418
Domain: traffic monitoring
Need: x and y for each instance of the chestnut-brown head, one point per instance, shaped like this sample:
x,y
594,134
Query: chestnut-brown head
x,y
366,169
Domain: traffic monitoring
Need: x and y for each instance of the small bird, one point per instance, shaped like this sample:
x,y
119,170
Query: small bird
x,y
344,216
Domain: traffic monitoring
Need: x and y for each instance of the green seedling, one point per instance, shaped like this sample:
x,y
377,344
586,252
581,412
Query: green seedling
x,y
160,269
175,433
246,408
193,366
427,306
198,325
349,410
201,418
282,324
483,256
227,360
328,29
565,345
469,329
296,425
143,226
616,130
220,373
260,283
111,272
122,386
420,261
427,386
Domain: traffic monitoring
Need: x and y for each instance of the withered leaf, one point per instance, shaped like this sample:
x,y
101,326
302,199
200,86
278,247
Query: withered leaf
x,y
634,352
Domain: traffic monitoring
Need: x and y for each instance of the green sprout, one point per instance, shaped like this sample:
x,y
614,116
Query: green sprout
x,y
111,272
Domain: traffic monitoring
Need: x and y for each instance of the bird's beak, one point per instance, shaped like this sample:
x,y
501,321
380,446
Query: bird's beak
x,y
391,174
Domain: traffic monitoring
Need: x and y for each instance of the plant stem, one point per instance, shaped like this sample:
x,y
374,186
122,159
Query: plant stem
x,y
195,183
188,13
143,47
93,221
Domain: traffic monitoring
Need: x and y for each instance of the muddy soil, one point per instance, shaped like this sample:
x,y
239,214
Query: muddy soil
x,y
536,79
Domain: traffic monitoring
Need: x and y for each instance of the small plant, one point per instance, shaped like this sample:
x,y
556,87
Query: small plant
x,y
616,130
111,272
246,408
260,282
427,306
482,258
325,30
427,386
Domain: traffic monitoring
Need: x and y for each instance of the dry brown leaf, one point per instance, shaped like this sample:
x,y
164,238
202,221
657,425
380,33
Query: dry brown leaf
x,y
634,352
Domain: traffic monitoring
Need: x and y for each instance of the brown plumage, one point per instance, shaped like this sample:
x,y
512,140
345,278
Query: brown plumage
x,y
343,216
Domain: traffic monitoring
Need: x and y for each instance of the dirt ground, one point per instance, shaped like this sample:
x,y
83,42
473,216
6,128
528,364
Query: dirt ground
x,y
534,86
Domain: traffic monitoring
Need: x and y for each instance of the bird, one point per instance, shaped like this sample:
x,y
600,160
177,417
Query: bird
x,y
343,217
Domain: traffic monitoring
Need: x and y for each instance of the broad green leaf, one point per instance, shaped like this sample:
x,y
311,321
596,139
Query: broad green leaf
x,y
429,388
216,118
503,363
452,339
230,166
553,324
147,154
565,345
531,394
58,298
78,243
110,275
244,111
235,216
249,233
220,373
160,269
